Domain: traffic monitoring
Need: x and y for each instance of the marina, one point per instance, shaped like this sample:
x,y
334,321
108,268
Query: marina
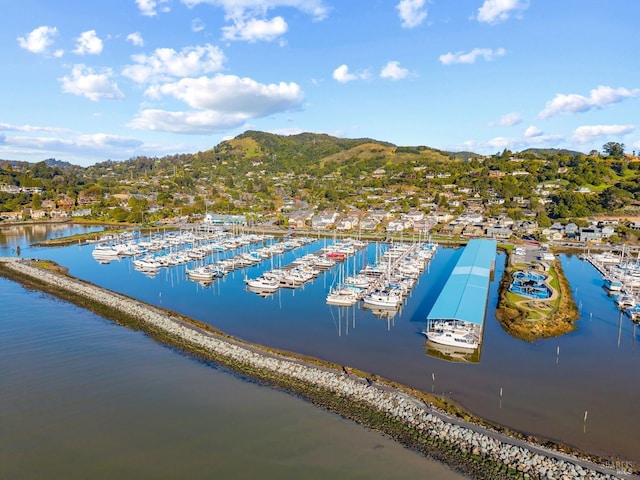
x,y
547,385
620,278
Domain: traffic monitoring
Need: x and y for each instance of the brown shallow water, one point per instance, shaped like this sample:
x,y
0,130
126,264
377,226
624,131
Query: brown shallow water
x,y
82,398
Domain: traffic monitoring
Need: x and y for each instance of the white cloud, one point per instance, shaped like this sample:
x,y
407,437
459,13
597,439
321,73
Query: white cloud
x,y
342,74
136,39
412,12
509,120
220,103
519,143
39,39
511,143
193,122
254,30
588,133
94,144
249,20
501,142
148,7
197,25
88,43
166,63
253,8
496,11
31,128
231,94
599,97
461,57
85,82
532,131
394,71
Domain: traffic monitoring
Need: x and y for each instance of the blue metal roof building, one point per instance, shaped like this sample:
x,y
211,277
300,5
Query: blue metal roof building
x,y
464,296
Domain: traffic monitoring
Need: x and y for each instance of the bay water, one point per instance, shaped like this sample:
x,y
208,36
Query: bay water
x,y
581,389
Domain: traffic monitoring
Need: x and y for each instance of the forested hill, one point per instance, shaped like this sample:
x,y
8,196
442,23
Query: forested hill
x,y
312,152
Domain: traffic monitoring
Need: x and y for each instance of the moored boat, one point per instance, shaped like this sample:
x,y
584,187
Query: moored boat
x,y
452,334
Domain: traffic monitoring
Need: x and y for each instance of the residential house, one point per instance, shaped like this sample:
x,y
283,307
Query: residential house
x,y
369,223
11,189
349,222
10,216
413,216
81,212
552,234
470,218
440,217
324,220
473,231
607,231
48,204
590,234
58,214
559,228
571,230
300,218
396,226
526,227
498,232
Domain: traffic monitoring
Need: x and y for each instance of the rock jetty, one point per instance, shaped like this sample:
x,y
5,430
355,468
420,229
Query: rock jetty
x,y
472,450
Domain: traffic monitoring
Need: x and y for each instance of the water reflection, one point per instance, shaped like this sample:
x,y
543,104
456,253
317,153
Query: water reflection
x,y
18,239
452,353
548,384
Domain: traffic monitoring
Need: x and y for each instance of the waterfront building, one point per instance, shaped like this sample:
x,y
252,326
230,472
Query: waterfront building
x,y
457,316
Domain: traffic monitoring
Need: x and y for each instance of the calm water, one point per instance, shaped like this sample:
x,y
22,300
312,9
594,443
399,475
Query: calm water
x,y
544,393
83,398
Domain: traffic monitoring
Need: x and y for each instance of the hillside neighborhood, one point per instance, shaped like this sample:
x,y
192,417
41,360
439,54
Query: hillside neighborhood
x,y
353,186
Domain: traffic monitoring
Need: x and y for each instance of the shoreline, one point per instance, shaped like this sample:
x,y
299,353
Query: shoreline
x,y
385,407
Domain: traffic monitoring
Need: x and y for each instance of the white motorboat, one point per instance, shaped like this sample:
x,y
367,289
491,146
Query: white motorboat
x,y
455,335
105,252
262,283
384,299
343,295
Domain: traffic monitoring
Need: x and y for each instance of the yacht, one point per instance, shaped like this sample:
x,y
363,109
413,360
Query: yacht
x,y
105,252
343,295
384,299
452,334
262,283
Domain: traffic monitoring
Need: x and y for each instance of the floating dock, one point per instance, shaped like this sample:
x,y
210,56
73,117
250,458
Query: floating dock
x,y
463,300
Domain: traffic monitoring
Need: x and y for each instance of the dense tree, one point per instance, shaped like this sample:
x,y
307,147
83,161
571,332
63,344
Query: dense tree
x,y
614,149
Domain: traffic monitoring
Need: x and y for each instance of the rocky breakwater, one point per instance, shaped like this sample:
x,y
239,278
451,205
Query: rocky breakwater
x,y
477,452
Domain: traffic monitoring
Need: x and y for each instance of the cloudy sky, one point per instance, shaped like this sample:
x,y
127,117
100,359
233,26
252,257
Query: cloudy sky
x,y
90,80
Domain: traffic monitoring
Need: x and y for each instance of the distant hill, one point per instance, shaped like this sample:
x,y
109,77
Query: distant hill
x,y
545,152
306,152
254,144
52,162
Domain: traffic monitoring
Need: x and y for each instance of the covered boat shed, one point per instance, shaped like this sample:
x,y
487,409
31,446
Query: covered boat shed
x,y
464,296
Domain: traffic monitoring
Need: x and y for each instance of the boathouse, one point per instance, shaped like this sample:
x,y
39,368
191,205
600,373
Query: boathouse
x,y
464,296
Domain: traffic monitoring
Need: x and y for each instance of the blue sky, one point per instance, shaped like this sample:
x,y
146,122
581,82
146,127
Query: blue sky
x,y
86,81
